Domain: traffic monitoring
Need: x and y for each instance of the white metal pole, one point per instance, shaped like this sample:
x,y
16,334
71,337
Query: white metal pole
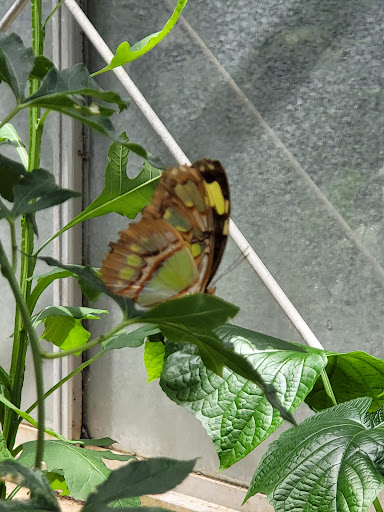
x,y
253,259
12,14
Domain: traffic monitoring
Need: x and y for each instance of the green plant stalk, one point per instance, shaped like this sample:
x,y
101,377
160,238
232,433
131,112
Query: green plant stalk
x,y
66,378
377,505
93,343
37,360
10,116
14,244
27,264
328,387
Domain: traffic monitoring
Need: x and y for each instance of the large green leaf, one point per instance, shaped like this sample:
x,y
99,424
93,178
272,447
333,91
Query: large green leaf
x,y
63,325
16,63
351,375
120,194
332,462
191,319
125,53
42,496
154,476
233,410
9,135
91,284
83,469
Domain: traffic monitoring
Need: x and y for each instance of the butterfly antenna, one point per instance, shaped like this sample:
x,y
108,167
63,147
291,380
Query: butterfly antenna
x,y
231,267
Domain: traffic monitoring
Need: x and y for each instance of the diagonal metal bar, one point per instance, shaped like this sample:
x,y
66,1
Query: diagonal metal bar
x,y
12,14
253,259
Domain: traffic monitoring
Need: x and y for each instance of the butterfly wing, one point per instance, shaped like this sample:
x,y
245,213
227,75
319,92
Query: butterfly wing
x,y
150,263
195,200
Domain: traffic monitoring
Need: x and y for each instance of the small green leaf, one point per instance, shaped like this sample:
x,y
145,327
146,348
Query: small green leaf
x,y
125,53
131,339
16,63
154,359
63,325
198,311
9,135
42,496
351,375
331,462
120,194
83,469
11,173
154,476
233,410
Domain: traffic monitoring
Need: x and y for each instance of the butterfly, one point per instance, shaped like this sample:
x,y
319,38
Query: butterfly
x,y
176,247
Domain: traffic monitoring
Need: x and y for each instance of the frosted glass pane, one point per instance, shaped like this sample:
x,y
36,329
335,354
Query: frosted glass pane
x,y
298,124
22,26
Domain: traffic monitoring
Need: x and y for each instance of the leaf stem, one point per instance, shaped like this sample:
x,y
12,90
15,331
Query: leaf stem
x,y
65,379
10,116
377,505
38,363
93,343
328,387
14,244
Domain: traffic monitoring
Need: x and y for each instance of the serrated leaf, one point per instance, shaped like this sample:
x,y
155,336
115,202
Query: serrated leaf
x,y
351,375
120,194
233,410
63,325
16,63
89,279
125,53
83,469
9,135
154,353
132,339
42,496
154,476
331,462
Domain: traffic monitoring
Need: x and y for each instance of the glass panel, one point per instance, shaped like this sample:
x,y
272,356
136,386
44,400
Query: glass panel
x,y
288,95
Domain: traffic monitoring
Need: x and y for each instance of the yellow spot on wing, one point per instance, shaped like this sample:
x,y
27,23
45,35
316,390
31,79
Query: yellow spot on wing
x,y
216,197
134,260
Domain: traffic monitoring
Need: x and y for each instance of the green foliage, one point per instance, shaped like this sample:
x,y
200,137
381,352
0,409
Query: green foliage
x,y
137,478
120,194
42,496
233,410
83,469
125,53
333,461
154,352
9,135
16,64
133,339
63,325
351,375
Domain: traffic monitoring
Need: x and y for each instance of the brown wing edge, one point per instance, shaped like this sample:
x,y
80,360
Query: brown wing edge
x,y
212,170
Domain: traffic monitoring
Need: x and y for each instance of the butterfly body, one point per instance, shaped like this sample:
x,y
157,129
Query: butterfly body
x,y
176,247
